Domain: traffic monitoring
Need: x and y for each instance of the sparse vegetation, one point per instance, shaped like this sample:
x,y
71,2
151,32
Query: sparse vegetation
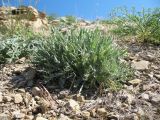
x,y
16,47
143,25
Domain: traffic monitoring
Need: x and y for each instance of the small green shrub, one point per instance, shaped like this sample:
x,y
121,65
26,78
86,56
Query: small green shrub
x,y
144,25
14,48
81,56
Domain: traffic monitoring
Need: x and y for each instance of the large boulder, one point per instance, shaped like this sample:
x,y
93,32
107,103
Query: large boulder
x,y
27,16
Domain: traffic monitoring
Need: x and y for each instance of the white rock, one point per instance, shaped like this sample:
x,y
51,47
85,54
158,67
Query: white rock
x,y
73,105
4,116
63,117
101,111
1,98
86,114
18,115
140,65
7,98
18,98
145,96
41,118
135,81
80,98
156,99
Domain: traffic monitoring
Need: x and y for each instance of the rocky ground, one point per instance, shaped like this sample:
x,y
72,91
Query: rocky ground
x,y
22,98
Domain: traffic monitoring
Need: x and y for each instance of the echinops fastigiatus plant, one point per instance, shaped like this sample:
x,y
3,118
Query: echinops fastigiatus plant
x,y
81,56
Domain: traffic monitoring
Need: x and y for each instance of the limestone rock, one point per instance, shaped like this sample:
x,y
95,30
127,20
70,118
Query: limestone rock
x,y
40,118
86,114
156,99
1,98
101,111
80,98
18,115
135,81
28,16
72,104
7,98
4,116
63,117
140,65
18,98
93,112
145,96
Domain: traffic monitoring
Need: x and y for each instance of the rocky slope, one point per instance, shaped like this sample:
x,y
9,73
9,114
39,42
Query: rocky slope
x,y
21,97
24,97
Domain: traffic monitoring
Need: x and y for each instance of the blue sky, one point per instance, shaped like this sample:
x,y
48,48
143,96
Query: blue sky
x,y
88,9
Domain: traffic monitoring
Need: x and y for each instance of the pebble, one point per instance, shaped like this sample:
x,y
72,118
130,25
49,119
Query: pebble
x,y
135,81
80,98
18,115
73,105
1,98
36,91
40,118
145,96
4,116
101,111
7,98
18,98
86,114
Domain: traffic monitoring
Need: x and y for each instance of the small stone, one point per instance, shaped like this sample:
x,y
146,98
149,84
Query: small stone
x,y
145,96
63,117
63,94
130,117
130,98
156,99
1,98
140,112
157,76
135,81
140,65
112,116
21,90
18,115
7,98
29,117
73,105
18,98
80,98
4,117
36,91
85,114
37,98
40,118
101,111
93,112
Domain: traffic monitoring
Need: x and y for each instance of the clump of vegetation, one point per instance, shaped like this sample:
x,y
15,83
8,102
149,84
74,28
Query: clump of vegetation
x,y
14,48
17,43
81,57
143,25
